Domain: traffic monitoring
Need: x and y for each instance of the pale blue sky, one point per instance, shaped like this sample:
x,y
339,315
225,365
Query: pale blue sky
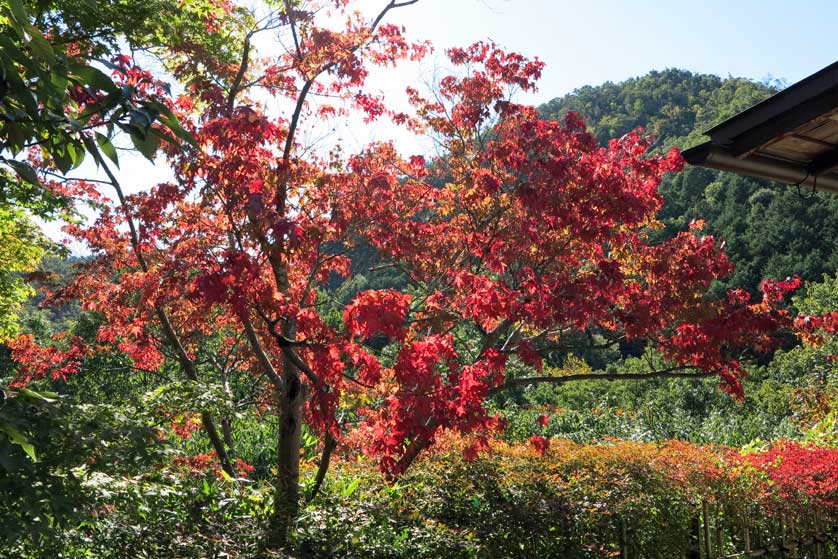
x,y
591,42
595,41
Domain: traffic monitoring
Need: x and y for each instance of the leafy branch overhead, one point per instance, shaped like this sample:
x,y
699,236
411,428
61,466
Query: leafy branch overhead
x,y
56,98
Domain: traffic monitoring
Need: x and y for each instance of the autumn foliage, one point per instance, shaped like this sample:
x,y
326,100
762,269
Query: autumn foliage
x,y
523,235
779,478
592,500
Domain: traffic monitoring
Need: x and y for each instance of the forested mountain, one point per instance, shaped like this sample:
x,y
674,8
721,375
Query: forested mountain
x,y
770,230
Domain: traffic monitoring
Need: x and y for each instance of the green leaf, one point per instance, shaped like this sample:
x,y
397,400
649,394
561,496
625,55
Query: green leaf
x,y
147,145
349,489
107,148
61,158
90,146
40,46
108,64
17,136
19,439
48,397
25,171
19,12
167,117
110,101
11,52
93,77
142,119
76,153
59,81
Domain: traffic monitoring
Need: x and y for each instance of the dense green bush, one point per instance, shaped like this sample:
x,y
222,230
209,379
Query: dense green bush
x,y
49,451
573,501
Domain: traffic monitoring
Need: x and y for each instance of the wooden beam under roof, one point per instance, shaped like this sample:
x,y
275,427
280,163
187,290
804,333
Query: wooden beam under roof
x,y
764,133
824,163
791,137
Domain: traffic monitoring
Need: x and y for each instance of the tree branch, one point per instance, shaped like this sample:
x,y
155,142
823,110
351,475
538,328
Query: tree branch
x,y
672,372
292,127
234,87
168,329
329,445
301,365
289,11
281,340
414,448
264,361
492,338
392,5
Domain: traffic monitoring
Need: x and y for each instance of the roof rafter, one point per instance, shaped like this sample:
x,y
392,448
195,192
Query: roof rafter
x,y
791,137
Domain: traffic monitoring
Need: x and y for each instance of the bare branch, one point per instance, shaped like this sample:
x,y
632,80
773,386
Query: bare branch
x,y
492,338
295,120
295,360
329,445
292,127
236,85
289,11
392,5
672,372
264,361
281,340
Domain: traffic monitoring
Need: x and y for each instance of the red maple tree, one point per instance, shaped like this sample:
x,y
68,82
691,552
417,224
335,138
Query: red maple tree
x,y
522,235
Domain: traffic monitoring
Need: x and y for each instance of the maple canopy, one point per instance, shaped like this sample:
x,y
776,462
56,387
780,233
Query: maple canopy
x,y
522,235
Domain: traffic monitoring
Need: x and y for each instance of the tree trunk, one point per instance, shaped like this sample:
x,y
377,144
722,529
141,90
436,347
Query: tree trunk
x,y
287,485
226,424
227,431
694,542
412,452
